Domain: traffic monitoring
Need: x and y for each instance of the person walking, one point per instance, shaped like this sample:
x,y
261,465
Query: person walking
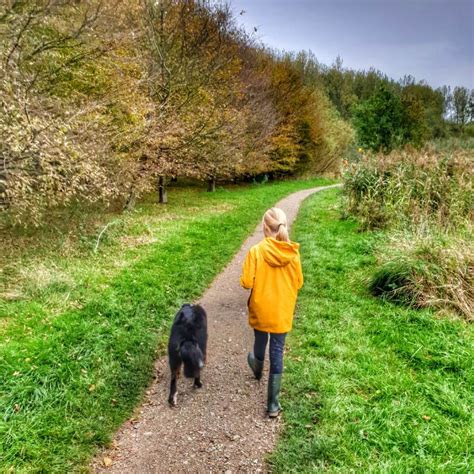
x,y
272,271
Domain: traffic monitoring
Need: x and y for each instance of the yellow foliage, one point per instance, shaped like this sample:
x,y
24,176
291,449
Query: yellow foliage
x,y
101,98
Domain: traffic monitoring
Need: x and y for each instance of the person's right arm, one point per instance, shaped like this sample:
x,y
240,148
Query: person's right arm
x,y
248,271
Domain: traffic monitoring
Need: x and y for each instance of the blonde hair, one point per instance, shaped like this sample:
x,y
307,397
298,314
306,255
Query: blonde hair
x,y
275,224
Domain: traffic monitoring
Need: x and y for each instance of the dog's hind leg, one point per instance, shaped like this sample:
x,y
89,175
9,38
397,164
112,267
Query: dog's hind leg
x,y
172,399
197,382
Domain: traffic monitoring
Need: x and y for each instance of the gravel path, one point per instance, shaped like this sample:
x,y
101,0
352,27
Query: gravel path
x,y
221,427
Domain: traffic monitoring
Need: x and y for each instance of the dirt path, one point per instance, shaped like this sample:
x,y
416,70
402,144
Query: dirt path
x,y
221,427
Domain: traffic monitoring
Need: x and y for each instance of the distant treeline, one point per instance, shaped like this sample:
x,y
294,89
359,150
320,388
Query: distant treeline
x,y
103,101
387,114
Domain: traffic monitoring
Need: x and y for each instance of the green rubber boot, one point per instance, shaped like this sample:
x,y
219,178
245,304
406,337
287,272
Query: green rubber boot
x,y
256,365
273,400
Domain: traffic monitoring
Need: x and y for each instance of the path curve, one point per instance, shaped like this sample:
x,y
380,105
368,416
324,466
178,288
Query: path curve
x,y
221,427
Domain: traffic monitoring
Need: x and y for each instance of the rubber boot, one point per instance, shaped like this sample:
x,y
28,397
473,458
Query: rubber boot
x,y
256,365
273,400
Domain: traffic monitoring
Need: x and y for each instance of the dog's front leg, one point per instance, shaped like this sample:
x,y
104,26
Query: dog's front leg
x,y
197,382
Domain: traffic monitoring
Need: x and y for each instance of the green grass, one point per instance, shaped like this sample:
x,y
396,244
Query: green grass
x,y
79,331
369,386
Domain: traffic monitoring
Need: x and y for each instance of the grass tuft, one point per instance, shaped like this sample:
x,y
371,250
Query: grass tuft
x,y
427,271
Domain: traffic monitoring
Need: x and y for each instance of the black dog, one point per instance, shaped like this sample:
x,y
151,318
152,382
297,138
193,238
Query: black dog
x,y
187,346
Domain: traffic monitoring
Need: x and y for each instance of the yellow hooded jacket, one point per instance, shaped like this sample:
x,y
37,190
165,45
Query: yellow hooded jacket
x,y
272,270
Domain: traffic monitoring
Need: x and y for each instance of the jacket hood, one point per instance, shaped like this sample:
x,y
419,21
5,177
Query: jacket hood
x,y
277,253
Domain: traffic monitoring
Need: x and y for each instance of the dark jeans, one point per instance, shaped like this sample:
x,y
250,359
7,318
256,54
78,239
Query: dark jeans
x,y
277,346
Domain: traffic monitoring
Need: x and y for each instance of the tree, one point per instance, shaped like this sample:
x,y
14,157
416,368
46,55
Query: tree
x,y
445,92
338,83
423,110
471,106
366,83
414,128
461,106
108,100
378,120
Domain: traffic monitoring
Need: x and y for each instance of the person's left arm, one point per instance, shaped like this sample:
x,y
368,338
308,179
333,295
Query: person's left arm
x,y
299,273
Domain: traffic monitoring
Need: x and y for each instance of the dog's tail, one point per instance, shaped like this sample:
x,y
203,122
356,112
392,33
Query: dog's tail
x,y
193,359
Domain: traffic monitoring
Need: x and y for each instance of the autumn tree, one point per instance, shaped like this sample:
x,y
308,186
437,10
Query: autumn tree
x,y
190,63
60,111
103,101
46,47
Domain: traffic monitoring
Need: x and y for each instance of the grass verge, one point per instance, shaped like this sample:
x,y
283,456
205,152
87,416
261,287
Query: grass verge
x,y
79,330
369,386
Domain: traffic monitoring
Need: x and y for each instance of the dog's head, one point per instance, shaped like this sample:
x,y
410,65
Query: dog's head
x,y
192,315
186,314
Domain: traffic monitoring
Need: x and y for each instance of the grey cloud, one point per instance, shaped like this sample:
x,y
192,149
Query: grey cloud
x,y
429,39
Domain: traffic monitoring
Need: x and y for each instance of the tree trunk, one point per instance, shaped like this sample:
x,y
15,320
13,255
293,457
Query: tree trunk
x,y
162,192
3,188
130,203
211,185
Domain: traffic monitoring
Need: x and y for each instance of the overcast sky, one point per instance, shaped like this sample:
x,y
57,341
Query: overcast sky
x,y
429,39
